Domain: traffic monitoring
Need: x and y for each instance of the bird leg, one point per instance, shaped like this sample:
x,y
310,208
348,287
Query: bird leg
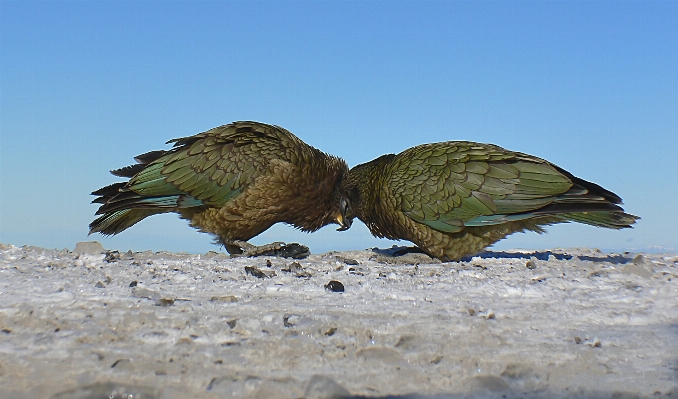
x,y
244,248
248,249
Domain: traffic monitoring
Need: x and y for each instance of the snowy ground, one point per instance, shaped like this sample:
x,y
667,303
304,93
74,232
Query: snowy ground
x,y
560,323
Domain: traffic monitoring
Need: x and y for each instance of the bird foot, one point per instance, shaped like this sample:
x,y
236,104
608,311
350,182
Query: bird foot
x,y
280,249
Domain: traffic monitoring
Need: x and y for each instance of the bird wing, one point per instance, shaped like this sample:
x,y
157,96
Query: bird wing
x,y
214,166
451,185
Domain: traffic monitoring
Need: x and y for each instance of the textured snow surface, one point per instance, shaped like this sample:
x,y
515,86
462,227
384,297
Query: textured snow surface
x,y
92,323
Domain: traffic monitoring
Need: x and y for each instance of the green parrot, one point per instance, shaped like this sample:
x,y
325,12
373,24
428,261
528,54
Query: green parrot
x,y
455,198
234,182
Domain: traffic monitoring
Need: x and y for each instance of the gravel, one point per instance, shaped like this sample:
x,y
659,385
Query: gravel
x,y
96,323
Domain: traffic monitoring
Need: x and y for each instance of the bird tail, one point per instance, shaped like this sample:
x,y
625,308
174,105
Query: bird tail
x,y
123,207
591,204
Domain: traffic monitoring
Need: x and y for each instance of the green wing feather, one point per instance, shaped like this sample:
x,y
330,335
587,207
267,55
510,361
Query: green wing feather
x,y
451,185
216,165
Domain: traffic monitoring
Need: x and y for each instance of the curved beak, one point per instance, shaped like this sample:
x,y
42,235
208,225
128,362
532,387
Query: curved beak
x,y
343,222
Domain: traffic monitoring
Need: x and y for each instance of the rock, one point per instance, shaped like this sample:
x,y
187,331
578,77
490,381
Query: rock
x,y
258,273
531,264
142,292
297,269
334,286
164,302
348,261
224,298
112,256
638,260
322,387
89,247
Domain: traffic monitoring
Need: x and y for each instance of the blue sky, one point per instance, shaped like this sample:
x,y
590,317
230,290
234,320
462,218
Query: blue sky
x,y
85,86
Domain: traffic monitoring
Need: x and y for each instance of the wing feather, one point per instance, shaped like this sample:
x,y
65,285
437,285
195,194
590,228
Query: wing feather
x,y
455,184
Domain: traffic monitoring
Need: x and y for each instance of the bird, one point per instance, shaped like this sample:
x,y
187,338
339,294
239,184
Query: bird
x,y
233,181
454,199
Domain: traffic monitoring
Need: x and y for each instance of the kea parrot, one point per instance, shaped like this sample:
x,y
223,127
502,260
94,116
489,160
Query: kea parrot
x,y
455,198
234,182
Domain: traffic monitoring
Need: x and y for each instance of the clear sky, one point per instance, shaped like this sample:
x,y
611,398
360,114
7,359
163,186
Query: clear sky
x,y
87,85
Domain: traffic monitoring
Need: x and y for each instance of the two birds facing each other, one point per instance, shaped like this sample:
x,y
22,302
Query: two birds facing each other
x,y
450,199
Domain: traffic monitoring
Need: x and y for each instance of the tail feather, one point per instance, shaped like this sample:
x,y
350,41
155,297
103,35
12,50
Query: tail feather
x,y
114,222
608,219
122,208
591,204
585,202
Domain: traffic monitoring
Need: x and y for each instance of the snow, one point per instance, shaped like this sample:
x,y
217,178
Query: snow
x,y
563,323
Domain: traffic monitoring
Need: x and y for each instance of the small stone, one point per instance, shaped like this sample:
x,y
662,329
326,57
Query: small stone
x,y
436,359
347,261
224,298
331,331
292,267
258,273
577,340
297,269
335,286
232,323
99,284
289,320
142,292
112,256
638,260
471,311
531,264
164,302
133,284
595,343
539,279
89,247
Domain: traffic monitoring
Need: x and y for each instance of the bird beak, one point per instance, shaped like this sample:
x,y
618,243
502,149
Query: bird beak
x,y
343,222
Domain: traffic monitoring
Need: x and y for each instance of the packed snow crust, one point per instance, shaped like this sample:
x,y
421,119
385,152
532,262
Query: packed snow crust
x,y
92,323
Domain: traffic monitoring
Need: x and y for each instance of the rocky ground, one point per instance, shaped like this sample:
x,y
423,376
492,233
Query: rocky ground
x,y
93,323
